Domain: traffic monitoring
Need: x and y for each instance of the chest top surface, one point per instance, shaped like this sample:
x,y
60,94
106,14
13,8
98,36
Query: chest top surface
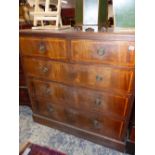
x,y
71,33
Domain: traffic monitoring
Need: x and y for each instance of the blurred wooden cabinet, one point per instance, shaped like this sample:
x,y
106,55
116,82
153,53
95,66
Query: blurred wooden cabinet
x,y
23,90
81,83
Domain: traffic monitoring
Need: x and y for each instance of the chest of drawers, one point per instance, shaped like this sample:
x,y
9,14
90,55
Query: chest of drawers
x,y
81,83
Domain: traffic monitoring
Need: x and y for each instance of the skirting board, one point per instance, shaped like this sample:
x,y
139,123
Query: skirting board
x,y
96,138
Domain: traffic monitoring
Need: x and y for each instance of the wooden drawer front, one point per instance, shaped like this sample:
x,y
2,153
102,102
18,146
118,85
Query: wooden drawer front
x,y
52,92
103,78
47,47
84,120
82,99
115,52
93,76
103,103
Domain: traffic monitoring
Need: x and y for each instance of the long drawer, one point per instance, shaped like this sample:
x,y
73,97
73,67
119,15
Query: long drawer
x,y
80,98
107,52
93,76
53,48
87,121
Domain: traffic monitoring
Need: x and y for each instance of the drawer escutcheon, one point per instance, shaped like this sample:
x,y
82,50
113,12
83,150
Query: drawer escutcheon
x,y
99,78
96,124
44,69
101,51
98,102
50,108
42,47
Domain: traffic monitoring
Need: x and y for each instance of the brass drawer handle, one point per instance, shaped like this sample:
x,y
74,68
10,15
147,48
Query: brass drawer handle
x,y
45,69
46,90
42,47
50,108
101,51
96,124
99,78
98,102
42,68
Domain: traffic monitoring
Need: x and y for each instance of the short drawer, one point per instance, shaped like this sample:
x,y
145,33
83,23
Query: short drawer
x,y
92,76
83,120
53,48
79,98
106,52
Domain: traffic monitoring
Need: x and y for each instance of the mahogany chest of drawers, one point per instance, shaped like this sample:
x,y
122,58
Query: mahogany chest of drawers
x,y
81,82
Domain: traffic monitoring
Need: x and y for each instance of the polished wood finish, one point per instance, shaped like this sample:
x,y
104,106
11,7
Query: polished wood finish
x,y
52,48
96,138
59,94
71,34
117,52
88,121
81,83
93,76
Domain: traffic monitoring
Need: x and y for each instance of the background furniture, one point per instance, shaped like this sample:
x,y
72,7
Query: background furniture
x,y
87,15
81,83
48,14
68,16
